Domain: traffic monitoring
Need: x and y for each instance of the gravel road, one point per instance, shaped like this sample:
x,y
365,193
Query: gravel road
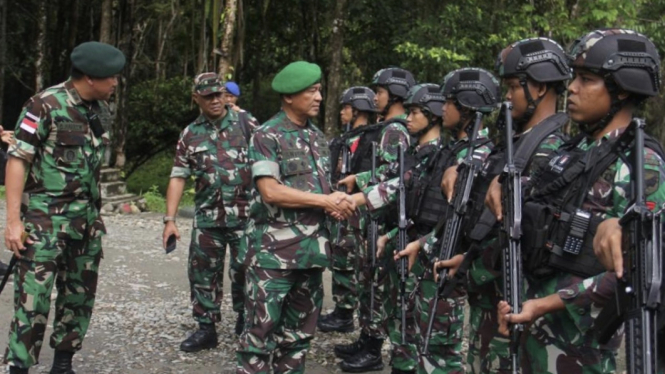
x,y
143,313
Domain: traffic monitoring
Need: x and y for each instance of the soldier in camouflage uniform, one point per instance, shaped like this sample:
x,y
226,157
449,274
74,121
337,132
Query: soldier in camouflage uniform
x,y
358,110
287,231
566,293
61,137
213,150
392,86
533,90
465,91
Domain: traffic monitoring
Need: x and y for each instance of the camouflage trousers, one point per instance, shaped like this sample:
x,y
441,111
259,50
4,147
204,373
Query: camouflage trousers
x,y
73,266
372,321
445,344
543,356
403,356
489,351
555,342
343,269
282,310
207,253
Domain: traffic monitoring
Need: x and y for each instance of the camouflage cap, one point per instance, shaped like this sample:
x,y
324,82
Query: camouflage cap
x,y
97,59
207,83
296,77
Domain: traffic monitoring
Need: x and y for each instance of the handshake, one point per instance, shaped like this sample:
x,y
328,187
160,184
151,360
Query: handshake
x,y
339,205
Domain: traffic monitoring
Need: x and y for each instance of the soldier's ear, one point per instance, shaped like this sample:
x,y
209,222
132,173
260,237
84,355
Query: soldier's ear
x,y
287,99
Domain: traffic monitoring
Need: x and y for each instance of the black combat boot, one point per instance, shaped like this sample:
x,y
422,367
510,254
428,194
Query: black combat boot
x,y
240,323
204,338
62,363
368,359
17,370
345,351
340,320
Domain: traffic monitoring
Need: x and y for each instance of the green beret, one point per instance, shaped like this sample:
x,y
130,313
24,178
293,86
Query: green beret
x,y
296,77
97,59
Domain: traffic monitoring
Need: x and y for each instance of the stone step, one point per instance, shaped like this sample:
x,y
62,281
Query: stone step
x,y
113,188
124,198
110,175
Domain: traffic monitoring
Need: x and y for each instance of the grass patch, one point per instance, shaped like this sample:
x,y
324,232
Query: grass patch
x,y
152,179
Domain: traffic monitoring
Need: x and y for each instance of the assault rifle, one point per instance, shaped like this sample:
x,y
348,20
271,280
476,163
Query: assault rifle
x,y
638,293
451,232
401,225
344,172
372,234
511,195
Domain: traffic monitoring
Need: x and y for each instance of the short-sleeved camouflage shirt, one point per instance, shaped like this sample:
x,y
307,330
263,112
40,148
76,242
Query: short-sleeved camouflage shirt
x,y
54,135
215,154
297,157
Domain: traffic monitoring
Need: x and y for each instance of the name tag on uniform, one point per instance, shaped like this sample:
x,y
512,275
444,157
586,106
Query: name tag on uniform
x,y
71,126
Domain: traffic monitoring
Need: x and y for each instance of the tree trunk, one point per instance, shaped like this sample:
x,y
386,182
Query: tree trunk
x,y
3,54
126,45
202,40
225,69
335,72
107,19
40,47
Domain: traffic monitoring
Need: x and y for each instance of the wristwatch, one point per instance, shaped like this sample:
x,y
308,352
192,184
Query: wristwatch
x,y
168,218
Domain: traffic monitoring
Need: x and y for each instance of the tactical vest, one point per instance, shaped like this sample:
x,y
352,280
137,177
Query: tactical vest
x,y
479,221
425,203
362,157
557,232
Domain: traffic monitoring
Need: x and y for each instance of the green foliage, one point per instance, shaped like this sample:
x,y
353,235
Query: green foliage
x,y
154,173
155,201
158,111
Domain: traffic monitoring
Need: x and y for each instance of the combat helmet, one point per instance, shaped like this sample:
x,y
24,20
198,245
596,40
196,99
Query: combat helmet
x,y
627,60
428,97
472,88
360,98
396,80
539,59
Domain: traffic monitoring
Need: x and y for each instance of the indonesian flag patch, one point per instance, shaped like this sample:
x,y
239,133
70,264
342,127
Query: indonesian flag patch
x,y
29,123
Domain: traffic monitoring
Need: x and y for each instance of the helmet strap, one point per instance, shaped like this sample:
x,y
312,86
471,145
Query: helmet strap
x,y
431,122
530,106
615,106
464,118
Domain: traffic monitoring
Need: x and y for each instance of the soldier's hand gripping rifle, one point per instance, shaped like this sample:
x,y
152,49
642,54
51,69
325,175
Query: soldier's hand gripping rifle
x,y
451,231
511,195
638,293
344,172
402,241
372,234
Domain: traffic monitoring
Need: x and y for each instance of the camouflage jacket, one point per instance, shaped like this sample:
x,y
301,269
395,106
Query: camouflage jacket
x,y
387,153
55,136
297,157
215,154
584,298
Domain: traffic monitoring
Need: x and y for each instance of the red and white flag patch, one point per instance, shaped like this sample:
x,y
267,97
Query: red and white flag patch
x,y
29,123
